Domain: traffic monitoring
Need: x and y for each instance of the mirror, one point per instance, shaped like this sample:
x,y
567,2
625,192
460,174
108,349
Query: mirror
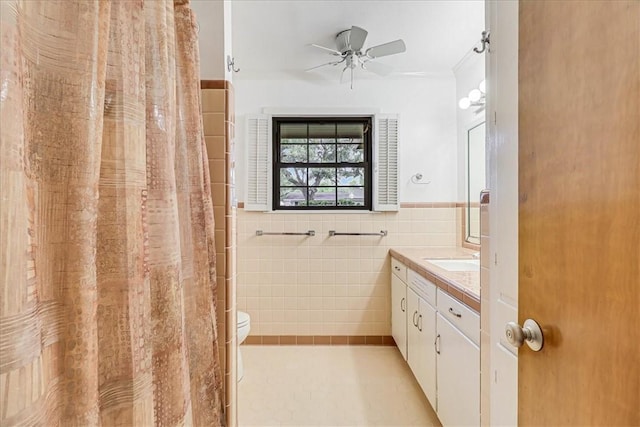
x,y
476,180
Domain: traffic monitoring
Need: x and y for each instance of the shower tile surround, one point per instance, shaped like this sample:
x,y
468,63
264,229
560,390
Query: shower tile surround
x,y
218,118
302,288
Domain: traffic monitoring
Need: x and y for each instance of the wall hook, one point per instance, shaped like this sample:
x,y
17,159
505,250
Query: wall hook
x,y
231,66
485,40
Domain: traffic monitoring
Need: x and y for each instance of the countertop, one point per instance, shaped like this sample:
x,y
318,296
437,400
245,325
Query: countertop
x,y
462,285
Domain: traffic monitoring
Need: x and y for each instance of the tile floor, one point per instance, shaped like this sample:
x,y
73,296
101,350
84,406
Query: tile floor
x,y
329,386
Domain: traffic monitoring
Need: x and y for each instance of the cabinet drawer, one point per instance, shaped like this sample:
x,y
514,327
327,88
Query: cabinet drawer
x,y
459,315
399,269
423,287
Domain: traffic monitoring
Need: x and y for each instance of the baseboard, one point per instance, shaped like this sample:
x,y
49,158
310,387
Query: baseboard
x,y
384,340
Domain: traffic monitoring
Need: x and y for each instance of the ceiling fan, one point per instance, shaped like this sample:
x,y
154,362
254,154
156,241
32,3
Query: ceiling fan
x,y
349,49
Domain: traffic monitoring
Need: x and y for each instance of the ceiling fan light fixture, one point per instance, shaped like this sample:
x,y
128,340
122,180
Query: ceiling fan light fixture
x,y
350,45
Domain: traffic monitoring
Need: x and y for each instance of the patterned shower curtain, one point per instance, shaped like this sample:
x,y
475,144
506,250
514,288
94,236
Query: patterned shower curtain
x,y
107,274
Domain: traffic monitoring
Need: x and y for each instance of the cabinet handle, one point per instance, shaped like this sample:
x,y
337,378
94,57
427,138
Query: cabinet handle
x,y
397,268
436,344
454,313
420,322
415,322
402,305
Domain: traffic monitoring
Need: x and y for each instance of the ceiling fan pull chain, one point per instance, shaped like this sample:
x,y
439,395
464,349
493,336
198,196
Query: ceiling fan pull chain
x,y
351,68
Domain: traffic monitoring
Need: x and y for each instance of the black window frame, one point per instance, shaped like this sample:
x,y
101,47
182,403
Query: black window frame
x,y
366,164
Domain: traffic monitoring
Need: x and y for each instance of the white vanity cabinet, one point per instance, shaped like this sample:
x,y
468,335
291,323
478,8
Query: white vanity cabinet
x,y
458,363
399,305
421,331
439,338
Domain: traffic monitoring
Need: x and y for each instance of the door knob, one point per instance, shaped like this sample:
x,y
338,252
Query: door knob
x,y
530,333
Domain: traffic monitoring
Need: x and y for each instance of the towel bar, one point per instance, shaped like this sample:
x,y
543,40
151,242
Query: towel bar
x,y
382,233
264,233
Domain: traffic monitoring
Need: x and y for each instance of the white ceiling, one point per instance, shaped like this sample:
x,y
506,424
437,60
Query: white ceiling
x,y
271,38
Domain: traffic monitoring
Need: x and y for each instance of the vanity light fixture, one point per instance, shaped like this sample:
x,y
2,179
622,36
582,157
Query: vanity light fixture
x,y
476,98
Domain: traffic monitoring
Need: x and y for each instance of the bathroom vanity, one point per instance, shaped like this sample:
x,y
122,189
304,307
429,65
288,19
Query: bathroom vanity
x,y
435,321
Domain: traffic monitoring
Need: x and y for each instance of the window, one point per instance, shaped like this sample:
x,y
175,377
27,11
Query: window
x,y
379,146
322,163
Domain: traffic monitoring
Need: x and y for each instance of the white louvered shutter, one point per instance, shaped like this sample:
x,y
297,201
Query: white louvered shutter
x,y
386,190
258,165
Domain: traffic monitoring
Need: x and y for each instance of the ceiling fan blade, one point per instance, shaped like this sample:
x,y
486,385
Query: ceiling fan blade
x,y
333,51
386,49
378,68
357,36
334,63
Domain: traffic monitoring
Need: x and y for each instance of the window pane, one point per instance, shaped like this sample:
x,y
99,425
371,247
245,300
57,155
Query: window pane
x,y
294,141
322,196
351,153
293,153
293,196
293,177
293,133
322,131
350,176
322,153
350,132
351,196
322,176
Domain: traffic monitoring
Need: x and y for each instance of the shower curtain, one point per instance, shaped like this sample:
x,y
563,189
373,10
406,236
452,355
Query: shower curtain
x,y
107,263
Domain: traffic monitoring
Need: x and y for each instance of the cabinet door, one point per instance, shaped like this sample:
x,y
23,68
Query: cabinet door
x,y
427,335
413,335
399,314
458,368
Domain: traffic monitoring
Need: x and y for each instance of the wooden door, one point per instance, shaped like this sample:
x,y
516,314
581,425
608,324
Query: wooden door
x,y
579,211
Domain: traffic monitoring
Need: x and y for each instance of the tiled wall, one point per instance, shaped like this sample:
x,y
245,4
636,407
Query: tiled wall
x,y
321,285
485,342
218,122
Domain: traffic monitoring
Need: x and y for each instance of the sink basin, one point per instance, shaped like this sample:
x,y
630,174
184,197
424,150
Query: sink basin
x,y
456,264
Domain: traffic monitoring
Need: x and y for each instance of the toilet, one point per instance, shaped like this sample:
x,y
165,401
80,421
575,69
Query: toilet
x,y
244,325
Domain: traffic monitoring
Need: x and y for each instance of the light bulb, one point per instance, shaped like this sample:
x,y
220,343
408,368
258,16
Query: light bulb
x,y
483,86
464,103
475,95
